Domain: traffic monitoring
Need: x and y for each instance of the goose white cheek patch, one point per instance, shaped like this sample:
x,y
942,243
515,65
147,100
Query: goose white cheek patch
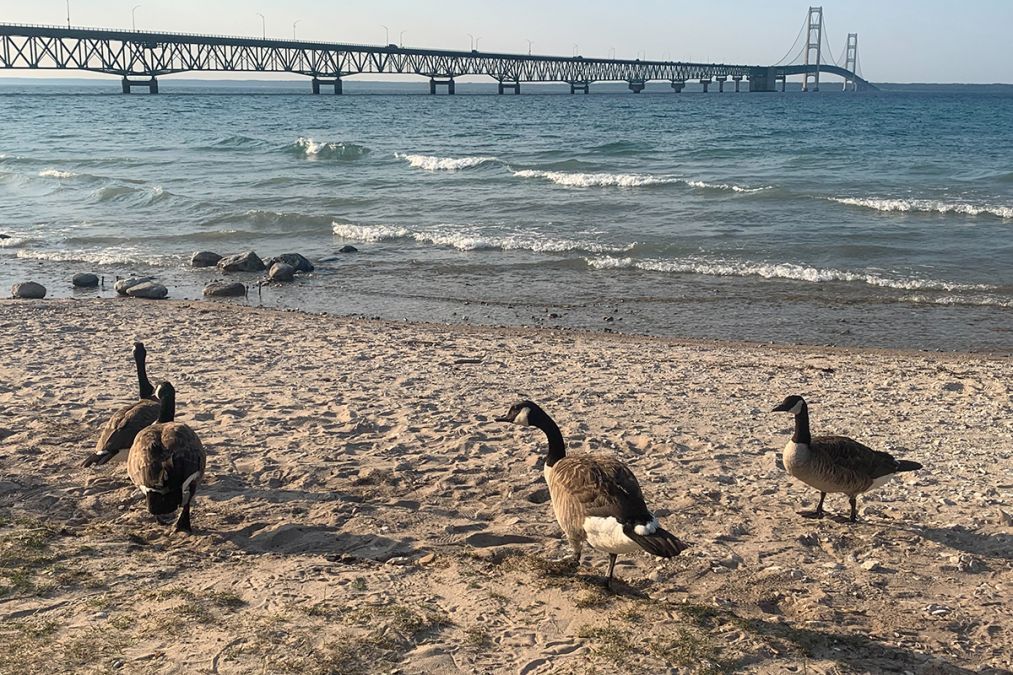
x,y
522,417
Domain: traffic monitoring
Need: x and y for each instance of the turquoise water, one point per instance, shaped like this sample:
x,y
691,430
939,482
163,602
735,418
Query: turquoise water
x,y
882,220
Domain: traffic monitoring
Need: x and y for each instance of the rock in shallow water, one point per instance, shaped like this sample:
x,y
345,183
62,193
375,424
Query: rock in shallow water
x,y
149,290
298,261
281,272
123,285
204,259
243,262
85,280
220,289
348,249
28,290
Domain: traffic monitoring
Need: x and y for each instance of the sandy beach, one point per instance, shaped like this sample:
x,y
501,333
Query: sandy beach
x,y
363,512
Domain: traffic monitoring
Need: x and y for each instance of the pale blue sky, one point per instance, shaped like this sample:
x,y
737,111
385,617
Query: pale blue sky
x,y
900,40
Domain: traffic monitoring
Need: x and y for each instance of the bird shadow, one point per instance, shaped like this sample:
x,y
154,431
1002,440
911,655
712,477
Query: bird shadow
x,y
297,539
999,545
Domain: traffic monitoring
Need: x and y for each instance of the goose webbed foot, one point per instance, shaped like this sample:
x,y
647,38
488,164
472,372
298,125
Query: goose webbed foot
x,y
183,524
818,513
612,567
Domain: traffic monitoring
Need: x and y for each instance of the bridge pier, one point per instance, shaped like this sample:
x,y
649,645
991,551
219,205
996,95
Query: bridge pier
x,y
762,79
129,84
737,80
784,83
338,87
706,84
637,86
447,82
721,83
583,86
515,85
678,85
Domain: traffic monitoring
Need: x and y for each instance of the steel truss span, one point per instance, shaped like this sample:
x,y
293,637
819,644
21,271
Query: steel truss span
x,y
141,57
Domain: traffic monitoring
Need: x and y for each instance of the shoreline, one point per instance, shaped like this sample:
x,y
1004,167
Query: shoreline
x,y
241,305
362,510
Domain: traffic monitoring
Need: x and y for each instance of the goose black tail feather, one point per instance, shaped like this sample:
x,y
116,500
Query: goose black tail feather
x,y
905,465
162,504
98,459
662,543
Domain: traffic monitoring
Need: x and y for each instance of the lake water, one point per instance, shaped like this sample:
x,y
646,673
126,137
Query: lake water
x,y
874,219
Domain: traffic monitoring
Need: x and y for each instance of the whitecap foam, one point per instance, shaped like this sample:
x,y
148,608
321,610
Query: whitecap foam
x,y
973,300
726,186
432,163
108,256
789,271
55,173
466,240
311,149
588,180
926,206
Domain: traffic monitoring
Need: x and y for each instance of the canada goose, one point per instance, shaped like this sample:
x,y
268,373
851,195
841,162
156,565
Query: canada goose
x,y
596,498
166,462
122,427
835,463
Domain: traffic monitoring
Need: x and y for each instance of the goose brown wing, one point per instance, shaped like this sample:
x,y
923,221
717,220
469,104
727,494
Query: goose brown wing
x,y
599,486
121,429
850,455
163,456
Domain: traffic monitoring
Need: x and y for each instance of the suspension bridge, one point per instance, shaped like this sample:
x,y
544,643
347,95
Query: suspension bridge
x,y
140,58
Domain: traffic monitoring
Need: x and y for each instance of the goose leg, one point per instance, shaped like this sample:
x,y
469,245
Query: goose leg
x,y
612,567
578,548
818,513
854,509
183,524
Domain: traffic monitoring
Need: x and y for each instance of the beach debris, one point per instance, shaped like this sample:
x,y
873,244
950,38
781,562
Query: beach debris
x,y
298,261
28,290
281,272
123,285
872,565
204,259
85,280
222,289
149,290
348,248
242,262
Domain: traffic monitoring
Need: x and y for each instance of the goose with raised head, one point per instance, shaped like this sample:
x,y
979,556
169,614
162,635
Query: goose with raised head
x,y
596,498
121,429
166,462
835,463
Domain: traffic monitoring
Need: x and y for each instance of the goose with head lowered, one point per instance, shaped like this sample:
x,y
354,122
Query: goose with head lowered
x,y
835,463
166,462
121,429
596,498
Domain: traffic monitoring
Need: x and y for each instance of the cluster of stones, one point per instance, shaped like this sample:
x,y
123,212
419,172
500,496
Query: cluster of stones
x,y
282,268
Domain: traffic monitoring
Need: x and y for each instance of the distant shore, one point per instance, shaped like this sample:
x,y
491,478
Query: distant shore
x,y
363,511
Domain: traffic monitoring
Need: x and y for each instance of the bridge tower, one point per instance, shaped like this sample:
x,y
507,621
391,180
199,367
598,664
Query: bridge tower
x,y
813,49
851,62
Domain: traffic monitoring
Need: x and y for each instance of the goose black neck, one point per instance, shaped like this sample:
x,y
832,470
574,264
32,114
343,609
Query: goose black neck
x,y
167,407
802,434
557,446
142,377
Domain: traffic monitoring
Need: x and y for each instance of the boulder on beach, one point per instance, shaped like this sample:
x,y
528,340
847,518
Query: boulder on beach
x,y
85,280
348,248
242,262
223,289
28,290
123,285
204,259
149,290
296,260
281,272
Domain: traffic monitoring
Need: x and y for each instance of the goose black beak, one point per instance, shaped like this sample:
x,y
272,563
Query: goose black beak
x,y
781,408
504,419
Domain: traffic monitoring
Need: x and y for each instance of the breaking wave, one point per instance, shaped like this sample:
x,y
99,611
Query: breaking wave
x,y
431,163
588,180
105,256
55,173
926,206
471,241
790,271
727,186
310,149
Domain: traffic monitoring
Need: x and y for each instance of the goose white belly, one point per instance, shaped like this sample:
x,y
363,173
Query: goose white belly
x,y
606,534
797,462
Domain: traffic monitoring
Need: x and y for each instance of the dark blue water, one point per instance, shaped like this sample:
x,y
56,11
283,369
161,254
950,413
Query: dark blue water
x,y
881,219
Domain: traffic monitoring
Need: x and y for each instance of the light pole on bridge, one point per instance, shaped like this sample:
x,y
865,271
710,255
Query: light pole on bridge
x,y
386,34
294,24
474,41
68,13
263,25
401,38
133,17
576,48
530,43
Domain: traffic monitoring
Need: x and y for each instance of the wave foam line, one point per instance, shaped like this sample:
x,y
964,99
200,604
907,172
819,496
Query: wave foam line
x,y
790,271
727,186
311,149
469,241
55,173
587,180
432,163
101,257
926,206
